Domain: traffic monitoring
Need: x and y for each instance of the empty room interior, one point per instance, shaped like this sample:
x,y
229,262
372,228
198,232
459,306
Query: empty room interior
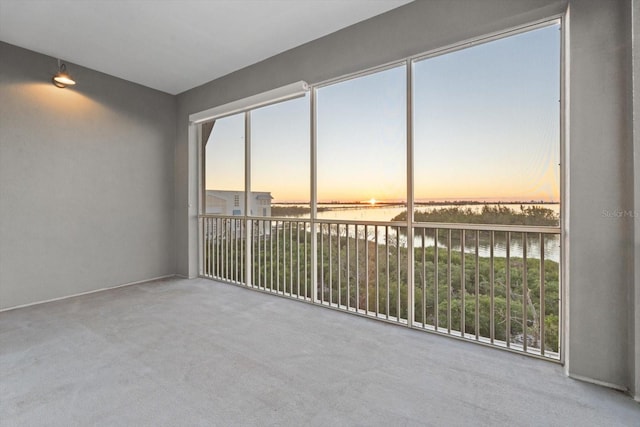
x,y
319,212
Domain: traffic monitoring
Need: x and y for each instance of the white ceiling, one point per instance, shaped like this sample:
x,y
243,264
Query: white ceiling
x,y
175,45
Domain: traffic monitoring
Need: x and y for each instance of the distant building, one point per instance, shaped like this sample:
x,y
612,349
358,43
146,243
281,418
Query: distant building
x,y
231,203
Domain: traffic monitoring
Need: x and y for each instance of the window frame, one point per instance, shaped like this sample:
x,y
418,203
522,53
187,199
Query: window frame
x,y
562,20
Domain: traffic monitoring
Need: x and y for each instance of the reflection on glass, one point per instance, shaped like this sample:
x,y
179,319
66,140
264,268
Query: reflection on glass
x,y
487,132
280,159
361,146
224,167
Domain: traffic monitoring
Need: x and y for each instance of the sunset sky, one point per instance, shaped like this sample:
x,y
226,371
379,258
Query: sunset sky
x,y
486,127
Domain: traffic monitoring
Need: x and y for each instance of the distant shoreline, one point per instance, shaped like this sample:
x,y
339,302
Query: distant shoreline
x,y
373,211
430,203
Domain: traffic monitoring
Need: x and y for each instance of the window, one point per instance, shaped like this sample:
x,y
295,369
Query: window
x,y
361,146
224,166
486,150
487,132
280,158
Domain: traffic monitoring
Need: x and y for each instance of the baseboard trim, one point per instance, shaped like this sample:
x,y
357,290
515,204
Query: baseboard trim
x,y
88,292
600,383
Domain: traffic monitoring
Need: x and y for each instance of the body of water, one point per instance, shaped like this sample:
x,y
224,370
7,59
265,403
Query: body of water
x,y
365,213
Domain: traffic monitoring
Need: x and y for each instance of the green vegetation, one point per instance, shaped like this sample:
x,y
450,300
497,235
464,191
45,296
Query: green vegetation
x,y
497,298
372,290
282,259
280,211
499,214
510,294
284,211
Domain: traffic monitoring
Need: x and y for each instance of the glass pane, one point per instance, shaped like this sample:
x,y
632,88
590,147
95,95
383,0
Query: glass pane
x,y
487,132
361,145
280,159
224,167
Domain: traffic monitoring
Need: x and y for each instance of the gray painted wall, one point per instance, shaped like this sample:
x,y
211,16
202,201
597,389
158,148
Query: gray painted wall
x,y
601,152
601,180
634,318
86,181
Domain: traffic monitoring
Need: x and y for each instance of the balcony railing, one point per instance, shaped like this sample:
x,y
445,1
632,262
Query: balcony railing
x,y
223,249
281,257
497,285
362,267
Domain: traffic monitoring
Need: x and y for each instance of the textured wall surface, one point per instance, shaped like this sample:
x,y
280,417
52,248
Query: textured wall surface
x,y
634,318
86,181
601,185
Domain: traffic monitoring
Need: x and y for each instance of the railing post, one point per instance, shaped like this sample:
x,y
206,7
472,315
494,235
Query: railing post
x,y
248,239
201,246
314,198
410,196
201,199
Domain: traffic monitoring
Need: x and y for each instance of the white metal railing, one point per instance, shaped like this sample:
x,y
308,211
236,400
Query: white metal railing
x,y
497,285
281,254
362,268
223,248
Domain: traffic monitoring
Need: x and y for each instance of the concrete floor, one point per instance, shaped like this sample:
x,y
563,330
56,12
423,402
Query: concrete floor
x,y
200,353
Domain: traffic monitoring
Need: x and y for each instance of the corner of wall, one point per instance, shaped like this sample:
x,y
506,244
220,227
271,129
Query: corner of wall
x,y
634,315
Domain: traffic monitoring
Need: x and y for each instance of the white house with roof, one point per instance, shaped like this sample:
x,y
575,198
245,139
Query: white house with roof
x,y
232,203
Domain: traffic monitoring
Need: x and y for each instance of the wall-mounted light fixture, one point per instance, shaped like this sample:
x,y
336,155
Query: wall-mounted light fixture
x,y
62,79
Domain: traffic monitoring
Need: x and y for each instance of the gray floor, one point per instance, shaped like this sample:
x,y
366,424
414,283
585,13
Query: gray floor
x,y
195,352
